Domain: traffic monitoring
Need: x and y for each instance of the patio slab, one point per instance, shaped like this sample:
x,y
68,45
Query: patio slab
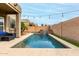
x,y
38,52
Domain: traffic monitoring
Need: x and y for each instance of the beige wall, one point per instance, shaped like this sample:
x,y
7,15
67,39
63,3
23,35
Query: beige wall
x,y
36,28
70,29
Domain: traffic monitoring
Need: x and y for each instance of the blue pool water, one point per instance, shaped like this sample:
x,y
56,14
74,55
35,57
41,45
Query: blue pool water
x,y
41,41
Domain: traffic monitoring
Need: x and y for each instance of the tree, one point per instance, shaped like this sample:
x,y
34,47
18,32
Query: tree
x,y
23,27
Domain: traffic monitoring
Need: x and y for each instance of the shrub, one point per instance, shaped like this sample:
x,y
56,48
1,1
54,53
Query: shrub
x,y
23,27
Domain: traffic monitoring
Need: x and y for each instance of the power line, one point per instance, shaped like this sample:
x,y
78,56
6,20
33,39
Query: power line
x,y
54,13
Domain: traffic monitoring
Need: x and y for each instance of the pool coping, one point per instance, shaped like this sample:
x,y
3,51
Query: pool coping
x,y
64,42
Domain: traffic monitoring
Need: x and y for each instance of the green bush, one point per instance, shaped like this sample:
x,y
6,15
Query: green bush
x,y
23,27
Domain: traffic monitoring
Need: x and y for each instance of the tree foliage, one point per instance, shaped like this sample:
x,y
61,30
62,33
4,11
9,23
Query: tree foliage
x,y
23,27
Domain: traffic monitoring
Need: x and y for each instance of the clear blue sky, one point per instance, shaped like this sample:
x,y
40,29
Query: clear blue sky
x,y
39,12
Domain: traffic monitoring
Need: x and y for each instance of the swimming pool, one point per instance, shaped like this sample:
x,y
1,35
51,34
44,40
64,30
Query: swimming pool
x,y
39,41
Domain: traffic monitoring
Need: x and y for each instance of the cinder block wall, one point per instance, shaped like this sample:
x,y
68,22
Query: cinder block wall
x,y
70,29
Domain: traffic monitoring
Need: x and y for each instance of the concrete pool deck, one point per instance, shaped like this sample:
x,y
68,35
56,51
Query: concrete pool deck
x,y
38,52
6,50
